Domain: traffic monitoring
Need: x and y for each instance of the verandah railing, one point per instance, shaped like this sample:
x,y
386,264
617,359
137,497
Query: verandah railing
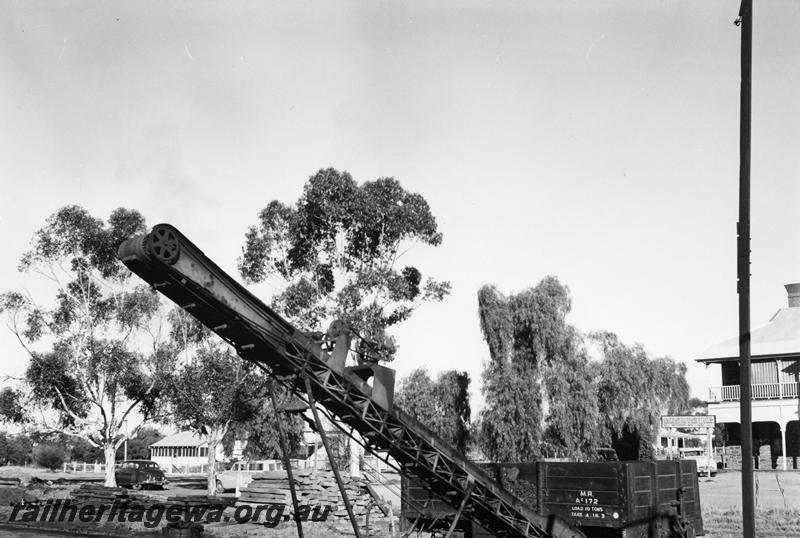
x,y
760,391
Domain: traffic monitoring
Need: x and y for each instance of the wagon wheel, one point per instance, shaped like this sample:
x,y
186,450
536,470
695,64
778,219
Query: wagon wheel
x,y
137,487
673,527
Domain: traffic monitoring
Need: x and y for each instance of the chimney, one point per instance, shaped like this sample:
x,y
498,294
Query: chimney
x,y
793,290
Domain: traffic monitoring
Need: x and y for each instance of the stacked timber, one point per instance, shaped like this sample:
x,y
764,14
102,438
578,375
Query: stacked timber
x,y
99,495
205,501
732,457
313,488
124,501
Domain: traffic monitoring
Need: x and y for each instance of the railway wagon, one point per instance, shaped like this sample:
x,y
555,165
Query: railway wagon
x,y
628,499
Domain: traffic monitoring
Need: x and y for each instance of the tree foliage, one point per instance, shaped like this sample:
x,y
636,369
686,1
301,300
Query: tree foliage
x,y
573,412
12,409
80,450
88,373
15,449
442,405
218,395
634,391
510,424
212,390
209,388
260,431
336,252
139,447
48,456
540,398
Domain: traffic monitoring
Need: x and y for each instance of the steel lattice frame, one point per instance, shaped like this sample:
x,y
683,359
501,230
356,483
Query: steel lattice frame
x,y
262,337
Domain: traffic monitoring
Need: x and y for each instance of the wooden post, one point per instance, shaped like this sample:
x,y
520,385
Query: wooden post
x,y
743,270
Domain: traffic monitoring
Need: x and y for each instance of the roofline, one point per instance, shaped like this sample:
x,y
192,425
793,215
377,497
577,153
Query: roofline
x,y
719,360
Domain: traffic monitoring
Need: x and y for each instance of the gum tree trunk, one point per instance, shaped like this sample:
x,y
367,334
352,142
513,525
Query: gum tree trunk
x,y
211,471
110,452
215,436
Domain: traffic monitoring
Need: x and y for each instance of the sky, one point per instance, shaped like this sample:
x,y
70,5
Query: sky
x,y
594,141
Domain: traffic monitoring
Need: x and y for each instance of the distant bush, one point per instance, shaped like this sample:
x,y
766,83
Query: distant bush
x,y
139,446
81,450
48,456
15,449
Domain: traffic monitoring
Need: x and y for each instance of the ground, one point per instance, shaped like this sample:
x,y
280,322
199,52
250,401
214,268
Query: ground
x,y
777,507
777,504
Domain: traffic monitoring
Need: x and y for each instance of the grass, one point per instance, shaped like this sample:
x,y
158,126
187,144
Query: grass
x,y
770,523
777,504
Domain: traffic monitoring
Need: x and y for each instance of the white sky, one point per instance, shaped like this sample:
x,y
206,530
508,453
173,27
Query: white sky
x,y
596,141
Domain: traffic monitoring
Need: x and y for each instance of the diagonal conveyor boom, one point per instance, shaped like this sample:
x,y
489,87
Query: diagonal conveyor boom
x,y
178,269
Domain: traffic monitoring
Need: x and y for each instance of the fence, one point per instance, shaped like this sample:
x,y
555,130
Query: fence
x,y
84,467
318,460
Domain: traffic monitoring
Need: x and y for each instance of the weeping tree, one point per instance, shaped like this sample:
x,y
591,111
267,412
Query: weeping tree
x,y
441,404
634,390
539,393
336,253
95,356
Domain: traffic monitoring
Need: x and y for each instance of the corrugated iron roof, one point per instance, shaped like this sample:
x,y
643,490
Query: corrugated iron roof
x,y
780,337
182,439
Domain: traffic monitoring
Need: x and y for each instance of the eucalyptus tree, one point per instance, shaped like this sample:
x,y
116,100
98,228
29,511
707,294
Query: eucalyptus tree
x,y
336,253
94,348
220,396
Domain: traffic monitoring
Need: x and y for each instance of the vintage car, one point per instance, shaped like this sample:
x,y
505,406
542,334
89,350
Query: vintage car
x,y
699,455
137,474
607,454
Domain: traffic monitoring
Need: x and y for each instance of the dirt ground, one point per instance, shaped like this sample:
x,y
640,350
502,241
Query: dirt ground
x,y
777,508
45,485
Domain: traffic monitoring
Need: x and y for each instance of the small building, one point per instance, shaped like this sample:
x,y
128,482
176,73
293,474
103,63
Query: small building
x,y
774,381
184,452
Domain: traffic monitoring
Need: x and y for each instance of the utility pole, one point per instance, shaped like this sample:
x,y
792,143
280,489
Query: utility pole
x,y
743,271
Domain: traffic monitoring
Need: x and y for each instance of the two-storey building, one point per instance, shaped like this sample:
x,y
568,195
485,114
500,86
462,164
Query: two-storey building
x,y
775,371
